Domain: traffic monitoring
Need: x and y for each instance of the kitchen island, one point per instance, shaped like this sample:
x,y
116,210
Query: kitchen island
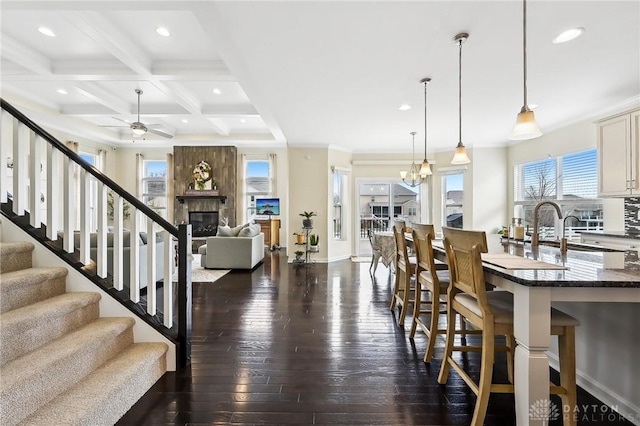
x,y
582,274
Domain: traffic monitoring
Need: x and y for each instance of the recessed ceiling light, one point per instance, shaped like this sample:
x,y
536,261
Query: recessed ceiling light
x,y
568,35
62,91
47,31
185,120
163,31
217,91
404,107
242,120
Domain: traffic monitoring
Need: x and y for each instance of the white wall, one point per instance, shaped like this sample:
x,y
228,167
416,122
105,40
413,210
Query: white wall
x,y
308,191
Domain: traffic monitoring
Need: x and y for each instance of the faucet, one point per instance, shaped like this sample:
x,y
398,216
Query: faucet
x,y
563,241
534,236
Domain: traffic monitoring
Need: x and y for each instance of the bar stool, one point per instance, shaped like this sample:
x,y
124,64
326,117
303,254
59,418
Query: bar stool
x,y
405,269
492,313
434,282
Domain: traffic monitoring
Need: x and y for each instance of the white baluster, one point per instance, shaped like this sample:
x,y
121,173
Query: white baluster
x,y
20,144
101,257
35,166
151,268
85,183
6,139
68,212
118,264
53,192
134,260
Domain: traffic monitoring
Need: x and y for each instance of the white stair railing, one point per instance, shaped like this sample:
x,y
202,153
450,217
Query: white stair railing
x,y
34,164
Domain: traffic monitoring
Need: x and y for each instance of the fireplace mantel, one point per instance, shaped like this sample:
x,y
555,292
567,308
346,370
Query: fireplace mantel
x,y
182,198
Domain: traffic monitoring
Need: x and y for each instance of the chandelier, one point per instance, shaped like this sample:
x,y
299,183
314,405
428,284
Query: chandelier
x,y
413,177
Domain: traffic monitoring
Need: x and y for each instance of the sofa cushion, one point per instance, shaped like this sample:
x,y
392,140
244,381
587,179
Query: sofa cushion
x,y
226,231
250,231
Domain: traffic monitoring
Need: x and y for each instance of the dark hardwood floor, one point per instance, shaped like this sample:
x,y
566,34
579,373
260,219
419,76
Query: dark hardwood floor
x,y
314,344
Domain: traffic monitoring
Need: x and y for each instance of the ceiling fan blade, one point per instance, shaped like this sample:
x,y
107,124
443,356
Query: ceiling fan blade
x,y
120,119
159,132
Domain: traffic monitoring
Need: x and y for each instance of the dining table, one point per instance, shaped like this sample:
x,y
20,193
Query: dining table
x,y
538,276
386,243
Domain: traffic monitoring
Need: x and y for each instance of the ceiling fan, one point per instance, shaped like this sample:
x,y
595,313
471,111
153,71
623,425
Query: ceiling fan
x,y
139,128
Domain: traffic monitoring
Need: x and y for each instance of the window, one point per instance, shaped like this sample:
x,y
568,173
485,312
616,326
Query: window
x,y
339,197
452,190
257,182
569,180
154,186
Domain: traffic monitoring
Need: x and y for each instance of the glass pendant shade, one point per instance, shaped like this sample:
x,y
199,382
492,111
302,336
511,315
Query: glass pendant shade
x,y
460,156
526,126
425,170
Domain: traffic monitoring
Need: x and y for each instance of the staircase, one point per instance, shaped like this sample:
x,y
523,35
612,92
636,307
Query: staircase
x,y
60,363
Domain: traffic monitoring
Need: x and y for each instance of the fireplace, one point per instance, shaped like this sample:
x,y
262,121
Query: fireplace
x,y
203,224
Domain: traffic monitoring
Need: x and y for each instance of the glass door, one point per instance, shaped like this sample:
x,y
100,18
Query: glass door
x,y
379,202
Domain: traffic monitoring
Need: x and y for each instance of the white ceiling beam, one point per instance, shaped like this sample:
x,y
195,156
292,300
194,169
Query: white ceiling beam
x,y
24,56
17,96
148,110
219,126
190,103
107,35
207,70
230,110
103,97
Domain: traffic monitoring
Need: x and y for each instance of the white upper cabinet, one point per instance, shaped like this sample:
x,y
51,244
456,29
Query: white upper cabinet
x,y
619,155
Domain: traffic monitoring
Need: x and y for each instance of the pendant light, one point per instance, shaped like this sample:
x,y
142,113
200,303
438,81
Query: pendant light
x,y
425,170
414,171
460,156
526,127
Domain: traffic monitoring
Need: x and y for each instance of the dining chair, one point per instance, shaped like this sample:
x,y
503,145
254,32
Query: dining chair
x,y
491,312
375,252
405,269
431,281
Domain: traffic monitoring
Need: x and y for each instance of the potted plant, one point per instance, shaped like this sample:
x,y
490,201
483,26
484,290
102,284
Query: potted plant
x,y
307,222
314,239
299,254
299,238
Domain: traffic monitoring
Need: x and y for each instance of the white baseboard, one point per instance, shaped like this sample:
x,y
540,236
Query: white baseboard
x,y
610,398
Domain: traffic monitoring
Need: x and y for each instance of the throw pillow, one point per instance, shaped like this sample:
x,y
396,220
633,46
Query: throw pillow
x,y
250,231
224,231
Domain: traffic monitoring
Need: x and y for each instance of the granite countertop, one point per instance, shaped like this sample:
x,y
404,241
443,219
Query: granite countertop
x,y
585,268
607,268
619,234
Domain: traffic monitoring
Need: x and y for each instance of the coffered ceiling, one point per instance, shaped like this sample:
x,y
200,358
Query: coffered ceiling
x,y
313,73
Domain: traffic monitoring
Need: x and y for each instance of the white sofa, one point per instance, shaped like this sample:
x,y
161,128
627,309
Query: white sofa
x,y
232,252
142,242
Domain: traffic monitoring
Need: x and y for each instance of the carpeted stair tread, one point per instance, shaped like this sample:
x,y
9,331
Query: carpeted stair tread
x,y
22,287
15,256
108,393
28,328
34,379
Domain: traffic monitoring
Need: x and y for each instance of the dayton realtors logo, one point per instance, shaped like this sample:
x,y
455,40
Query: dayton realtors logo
x,y
544,409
